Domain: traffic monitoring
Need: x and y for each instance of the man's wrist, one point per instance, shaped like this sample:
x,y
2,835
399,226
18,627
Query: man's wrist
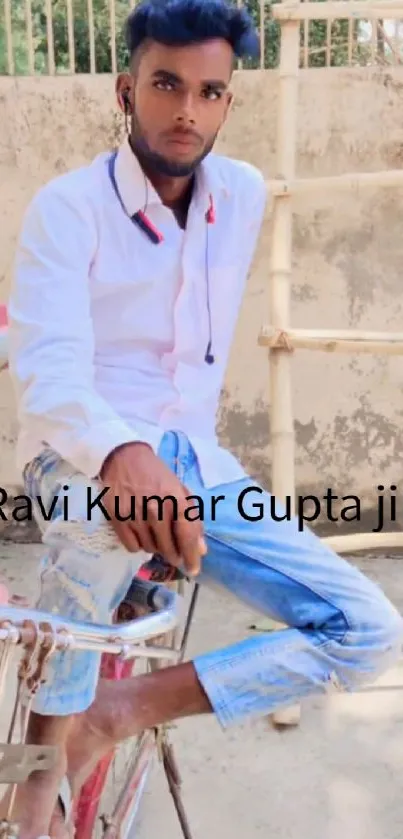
x,y
119,448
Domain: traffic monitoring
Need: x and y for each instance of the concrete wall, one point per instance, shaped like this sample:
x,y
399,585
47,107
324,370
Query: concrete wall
x,y
348,256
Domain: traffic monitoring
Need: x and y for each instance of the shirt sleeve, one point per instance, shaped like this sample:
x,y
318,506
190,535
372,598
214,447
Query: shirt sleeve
x,y
256,206
51,337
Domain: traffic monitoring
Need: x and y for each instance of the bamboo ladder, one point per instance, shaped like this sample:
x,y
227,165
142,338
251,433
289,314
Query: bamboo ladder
x,y
279,337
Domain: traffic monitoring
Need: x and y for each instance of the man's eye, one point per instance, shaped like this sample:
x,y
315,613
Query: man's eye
x,y
163,85
210,93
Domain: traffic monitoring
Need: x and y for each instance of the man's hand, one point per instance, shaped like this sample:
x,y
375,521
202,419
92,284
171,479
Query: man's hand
x,y
133,473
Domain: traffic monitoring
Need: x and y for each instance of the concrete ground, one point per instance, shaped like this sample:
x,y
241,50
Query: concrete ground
x,y
337,776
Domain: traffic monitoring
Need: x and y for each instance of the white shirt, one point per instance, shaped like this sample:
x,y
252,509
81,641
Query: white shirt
x,y
108,331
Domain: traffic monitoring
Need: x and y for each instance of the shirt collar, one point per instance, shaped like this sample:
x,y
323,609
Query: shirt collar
x,y
137,192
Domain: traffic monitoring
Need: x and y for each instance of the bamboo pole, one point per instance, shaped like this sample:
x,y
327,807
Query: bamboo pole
x,y
389,42
329,42
364,542
374,42
306,42
70,36
262,31
332,340
112,18
280,270
30,38
50,38
281,339
91,30
354,181
350,41
9,37
240,62
281,413
292,10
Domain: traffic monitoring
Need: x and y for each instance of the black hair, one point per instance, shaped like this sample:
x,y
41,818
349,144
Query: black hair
x,y
184,22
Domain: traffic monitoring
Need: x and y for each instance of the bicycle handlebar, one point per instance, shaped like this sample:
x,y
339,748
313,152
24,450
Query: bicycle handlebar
x,y
24,623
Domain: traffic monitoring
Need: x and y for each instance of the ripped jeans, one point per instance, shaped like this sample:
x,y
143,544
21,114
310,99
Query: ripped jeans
x,y
343,631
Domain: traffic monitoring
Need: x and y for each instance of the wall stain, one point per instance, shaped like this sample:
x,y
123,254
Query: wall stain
x,y
306,233
349,442
355,435
387,80
345,249
247,435
337,454
354,366
369,257
305,433
303,293
392,154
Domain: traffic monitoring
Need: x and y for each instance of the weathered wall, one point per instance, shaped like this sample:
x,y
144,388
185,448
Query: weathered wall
x,y
348,255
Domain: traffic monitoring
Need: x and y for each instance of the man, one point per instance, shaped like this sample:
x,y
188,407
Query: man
x,y
129,276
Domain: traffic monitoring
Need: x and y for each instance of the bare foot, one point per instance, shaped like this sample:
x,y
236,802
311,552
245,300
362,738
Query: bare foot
x,y
59,829
124,709
91,736
89,741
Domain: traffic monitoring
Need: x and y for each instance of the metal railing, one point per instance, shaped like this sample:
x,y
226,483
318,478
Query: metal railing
x,y
48,37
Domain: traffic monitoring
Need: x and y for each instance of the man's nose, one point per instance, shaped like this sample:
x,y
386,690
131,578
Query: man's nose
x,y
186,110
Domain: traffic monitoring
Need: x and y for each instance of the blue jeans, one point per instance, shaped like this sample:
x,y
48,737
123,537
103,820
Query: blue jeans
x,y
343,631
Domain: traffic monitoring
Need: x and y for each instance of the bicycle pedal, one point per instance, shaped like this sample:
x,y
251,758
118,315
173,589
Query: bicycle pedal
x,y
18,761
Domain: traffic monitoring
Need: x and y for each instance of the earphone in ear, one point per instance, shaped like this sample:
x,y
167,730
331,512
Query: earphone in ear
x,y
126,102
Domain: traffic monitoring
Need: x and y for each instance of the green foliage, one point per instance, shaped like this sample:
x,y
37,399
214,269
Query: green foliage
x,y
318,37
102,43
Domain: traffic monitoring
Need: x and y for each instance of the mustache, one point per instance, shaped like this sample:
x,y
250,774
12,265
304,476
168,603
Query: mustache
x,y
187,133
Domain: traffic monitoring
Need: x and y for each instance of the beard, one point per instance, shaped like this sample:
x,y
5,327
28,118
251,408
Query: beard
x,y
158,162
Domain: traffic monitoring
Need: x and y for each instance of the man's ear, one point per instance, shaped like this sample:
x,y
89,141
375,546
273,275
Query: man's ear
x,y
123,90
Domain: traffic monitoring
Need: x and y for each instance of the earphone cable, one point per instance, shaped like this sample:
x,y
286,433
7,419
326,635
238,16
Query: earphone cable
x,y
207,274
146,192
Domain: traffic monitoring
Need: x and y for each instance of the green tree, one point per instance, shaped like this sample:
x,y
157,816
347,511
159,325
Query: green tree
x,y
102,37
102,43
317,38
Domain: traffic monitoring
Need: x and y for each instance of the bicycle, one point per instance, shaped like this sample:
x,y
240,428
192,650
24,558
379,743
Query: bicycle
x,y
150,611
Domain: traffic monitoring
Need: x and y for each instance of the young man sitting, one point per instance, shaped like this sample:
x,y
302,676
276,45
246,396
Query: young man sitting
x,y
129,277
